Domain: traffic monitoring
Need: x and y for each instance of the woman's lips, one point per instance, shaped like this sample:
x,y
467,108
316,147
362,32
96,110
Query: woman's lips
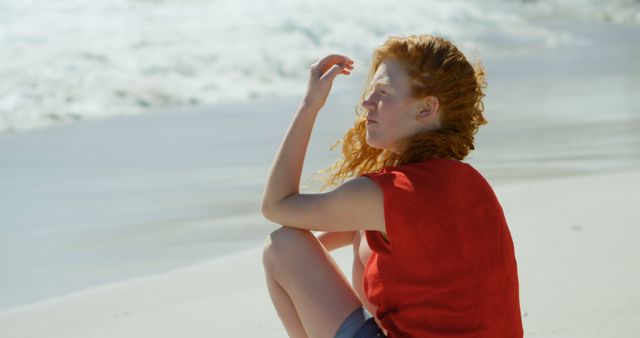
x,y
371,121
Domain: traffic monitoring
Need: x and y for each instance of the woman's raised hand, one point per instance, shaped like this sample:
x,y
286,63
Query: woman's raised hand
x,y
321,75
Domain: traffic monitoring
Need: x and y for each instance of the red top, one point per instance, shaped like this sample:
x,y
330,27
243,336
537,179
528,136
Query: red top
x,y
449,268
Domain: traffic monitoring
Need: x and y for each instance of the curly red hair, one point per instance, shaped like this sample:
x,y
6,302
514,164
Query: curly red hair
x,y
436,68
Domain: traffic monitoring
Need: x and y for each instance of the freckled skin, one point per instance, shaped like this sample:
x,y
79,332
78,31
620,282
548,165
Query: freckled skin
x,y
398,116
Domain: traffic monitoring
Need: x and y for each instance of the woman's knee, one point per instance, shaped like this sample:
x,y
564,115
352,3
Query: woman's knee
x,y
284,242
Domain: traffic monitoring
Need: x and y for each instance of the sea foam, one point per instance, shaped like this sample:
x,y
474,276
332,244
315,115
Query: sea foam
x,y
71,60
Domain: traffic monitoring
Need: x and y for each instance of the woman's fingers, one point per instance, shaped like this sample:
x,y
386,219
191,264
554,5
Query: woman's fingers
x,y
333,72
324,64
322,74
332,59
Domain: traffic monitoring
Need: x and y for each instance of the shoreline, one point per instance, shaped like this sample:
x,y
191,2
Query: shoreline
x,y
152,192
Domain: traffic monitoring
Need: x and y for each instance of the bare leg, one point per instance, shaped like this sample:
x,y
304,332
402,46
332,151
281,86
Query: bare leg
x,y
286,310
309,291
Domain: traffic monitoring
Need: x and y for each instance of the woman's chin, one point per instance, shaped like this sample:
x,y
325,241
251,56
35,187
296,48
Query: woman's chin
x,y
371,143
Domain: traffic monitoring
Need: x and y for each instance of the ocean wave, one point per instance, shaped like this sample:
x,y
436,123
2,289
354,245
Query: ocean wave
x,y
71,60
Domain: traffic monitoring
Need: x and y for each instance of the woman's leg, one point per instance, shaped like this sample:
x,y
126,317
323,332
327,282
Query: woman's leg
x,y
309,291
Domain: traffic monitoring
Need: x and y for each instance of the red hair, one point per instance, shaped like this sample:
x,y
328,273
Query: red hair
x,y
435,68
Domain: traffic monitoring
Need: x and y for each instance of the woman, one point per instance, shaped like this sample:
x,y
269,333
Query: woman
x,y
433,255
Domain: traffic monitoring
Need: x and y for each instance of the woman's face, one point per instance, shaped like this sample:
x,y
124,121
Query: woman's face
x,y
391,112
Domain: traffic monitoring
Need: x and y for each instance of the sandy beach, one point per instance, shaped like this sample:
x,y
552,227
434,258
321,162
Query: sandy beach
x,y
149,225
576,249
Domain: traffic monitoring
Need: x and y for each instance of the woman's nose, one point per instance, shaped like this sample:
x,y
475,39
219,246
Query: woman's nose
x,y
368,103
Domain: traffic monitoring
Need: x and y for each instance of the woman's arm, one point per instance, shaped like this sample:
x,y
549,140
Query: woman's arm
x,y
284,177
337,210
336,240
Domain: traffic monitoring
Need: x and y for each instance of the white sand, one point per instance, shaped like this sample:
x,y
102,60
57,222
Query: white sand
x,y
576,245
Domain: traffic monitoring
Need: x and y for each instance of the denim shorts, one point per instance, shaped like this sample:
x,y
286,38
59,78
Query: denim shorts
x,y
360,324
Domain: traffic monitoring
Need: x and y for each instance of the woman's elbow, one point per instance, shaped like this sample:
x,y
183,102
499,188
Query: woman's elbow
x,y
268,211
264,208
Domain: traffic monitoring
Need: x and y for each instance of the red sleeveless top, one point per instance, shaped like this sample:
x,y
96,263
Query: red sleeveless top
x,y
449,268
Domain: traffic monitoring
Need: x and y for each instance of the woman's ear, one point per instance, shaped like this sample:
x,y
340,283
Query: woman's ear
x,y
430,107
